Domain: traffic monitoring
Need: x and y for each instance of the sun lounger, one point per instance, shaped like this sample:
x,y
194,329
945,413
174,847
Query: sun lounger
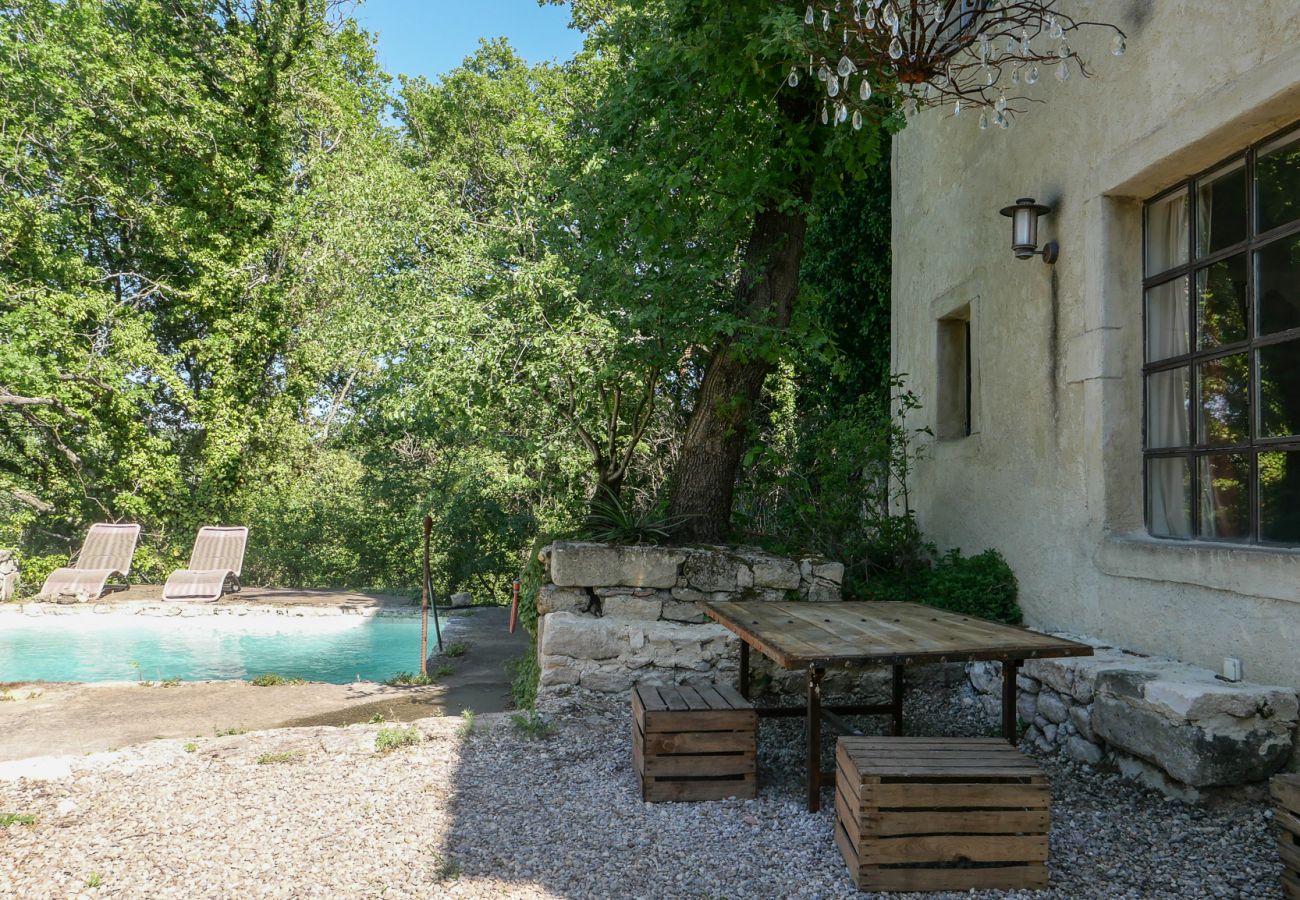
x,y
215,565
107,552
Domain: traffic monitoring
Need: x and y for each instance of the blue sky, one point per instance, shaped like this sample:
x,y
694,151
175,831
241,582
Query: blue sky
x,y
429,37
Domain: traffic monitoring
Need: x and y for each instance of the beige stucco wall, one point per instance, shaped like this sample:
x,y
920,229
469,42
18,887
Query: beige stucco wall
x,y
1052,474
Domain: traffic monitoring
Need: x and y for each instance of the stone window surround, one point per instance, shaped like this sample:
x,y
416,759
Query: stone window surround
x,y
1106,355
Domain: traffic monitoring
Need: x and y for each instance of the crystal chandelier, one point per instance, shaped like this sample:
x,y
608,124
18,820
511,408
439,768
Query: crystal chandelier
x,y
956,53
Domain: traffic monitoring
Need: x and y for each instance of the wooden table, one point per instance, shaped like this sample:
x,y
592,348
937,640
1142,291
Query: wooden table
x,y
815,636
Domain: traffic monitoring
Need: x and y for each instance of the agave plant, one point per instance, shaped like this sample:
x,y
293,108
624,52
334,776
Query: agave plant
x,y
612,522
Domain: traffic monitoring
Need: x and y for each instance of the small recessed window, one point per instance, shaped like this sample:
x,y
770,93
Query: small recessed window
x,y
956,381
1221,302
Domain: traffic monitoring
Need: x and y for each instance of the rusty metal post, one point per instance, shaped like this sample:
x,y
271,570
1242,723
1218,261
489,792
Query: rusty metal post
x,y
814,738
424,601
744,670
896,703
1009,669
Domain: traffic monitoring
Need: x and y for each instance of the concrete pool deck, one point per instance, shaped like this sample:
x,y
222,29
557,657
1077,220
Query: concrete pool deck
x,y
53,719
146,599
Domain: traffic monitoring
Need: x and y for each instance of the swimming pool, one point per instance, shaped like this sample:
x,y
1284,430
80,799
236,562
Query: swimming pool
x,y
336,648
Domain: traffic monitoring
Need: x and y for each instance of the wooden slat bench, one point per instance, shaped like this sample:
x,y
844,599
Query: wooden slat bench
x,y
938,814
1286,791
694,743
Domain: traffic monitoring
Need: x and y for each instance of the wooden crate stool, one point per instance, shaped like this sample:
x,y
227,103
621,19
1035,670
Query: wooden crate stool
x,y
1286,791
940,814
694,743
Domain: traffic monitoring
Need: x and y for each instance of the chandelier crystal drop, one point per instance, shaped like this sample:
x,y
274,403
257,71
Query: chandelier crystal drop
x,y
950,53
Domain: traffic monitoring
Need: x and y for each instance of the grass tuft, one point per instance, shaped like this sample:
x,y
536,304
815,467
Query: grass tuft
x,y
447,869
455,649
390,739
271,679
532,725
467,720
94,880
7,819
191,747
286,756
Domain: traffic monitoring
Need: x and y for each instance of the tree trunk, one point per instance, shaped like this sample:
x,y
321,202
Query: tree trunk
x,y
704,481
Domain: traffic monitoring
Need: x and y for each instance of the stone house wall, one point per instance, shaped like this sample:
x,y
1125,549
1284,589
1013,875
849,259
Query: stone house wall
x,y
1051,472
613,616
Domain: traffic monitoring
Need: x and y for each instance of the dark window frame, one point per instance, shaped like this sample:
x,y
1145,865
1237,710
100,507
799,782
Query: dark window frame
x,y
1254,444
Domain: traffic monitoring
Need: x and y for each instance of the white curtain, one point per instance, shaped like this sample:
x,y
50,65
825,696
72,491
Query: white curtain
x,y
1168,393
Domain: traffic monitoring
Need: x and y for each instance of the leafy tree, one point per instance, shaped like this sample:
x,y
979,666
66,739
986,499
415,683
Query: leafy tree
x,y
701,172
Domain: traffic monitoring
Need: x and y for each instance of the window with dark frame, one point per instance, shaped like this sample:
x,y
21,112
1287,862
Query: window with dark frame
x,y
1221,341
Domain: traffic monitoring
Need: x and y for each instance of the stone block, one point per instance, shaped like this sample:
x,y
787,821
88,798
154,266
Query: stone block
x,y
552,598
1081,719
1052,707
829,571
1026,707
744,577
709,570
681,611
646,609
689,595
558,671
1190,753
823,591
985,676
777,573
1025,683
583,637
580,564
1084,751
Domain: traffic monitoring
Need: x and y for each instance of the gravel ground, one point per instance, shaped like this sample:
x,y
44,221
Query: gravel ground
x,y
493,814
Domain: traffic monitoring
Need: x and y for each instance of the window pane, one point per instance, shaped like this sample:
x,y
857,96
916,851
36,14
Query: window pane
x,y
1223,413
1167,398
1167,331
1277,175
1279,286
1169,493
1279,497
1221,303
1166,233
1221,209
1225,496
1279,390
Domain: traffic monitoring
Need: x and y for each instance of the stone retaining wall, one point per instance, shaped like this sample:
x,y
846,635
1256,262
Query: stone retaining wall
x,y
613,616
1173,726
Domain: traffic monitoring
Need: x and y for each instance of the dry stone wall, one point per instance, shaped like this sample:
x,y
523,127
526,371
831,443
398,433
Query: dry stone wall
x,y
1176,727
613,616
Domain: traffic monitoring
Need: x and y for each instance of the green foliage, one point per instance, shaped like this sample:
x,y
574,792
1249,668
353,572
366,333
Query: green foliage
x,y
287,756
531,725
455,649
35,568
390,739
8,819
524,677
410,679
613,522
468,719
982,585
190,747
271,679
530,583
445,868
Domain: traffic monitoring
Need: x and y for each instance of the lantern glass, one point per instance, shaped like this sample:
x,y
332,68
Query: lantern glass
x,y
1024,231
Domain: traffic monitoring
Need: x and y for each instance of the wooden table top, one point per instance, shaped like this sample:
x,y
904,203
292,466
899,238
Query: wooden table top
x,y
799,634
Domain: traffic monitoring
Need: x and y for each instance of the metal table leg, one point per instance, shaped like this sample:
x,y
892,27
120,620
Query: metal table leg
x,y
744,670
1009,669
814,738
896,704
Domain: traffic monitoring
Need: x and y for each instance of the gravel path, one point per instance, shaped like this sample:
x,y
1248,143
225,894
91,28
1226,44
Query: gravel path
x,y
494,814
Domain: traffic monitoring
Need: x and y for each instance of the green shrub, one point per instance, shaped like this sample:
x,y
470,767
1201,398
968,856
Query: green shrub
x,y
287,756
389,739
981,585
531,725
8,819
35,569
524,676
910,570
409,679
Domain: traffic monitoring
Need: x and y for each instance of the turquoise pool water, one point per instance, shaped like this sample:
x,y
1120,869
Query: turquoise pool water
x,y
335,649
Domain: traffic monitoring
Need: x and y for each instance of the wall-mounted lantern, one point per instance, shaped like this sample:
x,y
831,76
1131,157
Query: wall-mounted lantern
x,y
1024,230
